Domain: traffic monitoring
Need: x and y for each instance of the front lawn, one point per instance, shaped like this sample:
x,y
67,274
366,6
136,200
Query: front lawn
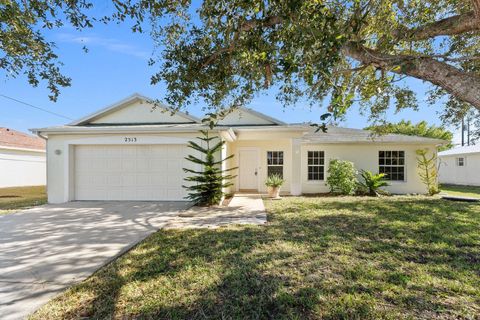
x,y
462,191
328,258
21,197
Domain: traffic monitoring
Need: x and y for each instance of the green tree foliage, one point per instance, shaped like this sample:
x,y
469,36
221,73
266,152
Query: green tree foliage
x,y
207,184
226,52
421,129
23,47
428,170
372,183
342,177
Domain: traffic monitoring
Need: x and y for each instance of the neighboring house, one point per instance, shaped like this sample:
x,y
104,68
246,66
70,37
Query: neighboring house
x,y
22,159
129,152
460,166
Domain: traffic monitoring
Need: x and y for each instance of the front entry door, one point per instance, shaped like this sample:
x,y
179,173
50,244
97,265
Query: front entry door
x,y
248,170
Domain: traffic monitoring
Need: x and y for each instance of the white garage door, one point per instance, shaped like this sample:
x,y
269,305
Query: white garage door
x,y
140,172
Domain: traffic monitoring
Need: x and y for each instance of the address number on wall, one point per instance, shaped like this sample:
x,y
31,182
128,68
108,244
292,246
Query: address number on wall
x,y
130,139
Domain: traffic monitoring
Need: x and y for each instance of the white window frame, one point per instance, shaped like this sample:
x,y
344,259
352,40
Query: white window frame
x,y
404,165
463,162
321,164
277,160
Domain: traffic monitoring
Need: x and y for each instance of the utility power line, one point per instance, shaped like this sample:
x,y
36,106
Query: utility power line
x,y
35,107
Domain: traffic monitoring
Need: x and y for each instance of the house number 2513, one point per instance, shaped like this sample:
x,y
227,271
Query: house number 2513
x,y
130,139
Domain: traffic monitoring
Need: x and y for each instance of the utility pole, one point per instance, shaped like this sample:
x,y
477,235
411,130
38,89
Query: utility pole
x,y
463,131
468,131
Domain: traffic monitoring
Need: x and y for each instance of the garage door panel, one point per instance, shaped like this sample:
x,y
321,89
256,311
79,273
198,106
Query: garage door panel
x,y
114,165
92,193
128,165
130,172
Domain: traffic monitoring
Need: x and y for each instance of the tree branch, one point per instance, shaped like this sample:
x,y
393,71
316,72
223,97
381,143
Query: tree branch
x,y
244,27
462,85
450,26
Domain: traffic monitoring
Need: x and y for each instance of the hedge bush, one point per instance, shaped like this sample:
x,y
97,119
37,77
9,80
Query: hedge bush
x,y
342,177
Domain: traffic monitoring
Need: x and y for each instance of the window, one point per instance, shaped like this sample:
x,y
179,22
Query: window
x,y
392,163
460,162
275,163
316,163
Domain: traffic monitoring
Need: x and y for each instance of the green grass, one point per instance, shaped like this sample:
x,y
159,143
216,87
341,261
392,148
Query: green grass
x,y
15,198
318,258
463,191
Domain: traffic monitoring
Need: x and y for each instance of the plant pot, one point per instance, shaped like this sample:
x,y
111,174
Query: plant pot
x,y
273,192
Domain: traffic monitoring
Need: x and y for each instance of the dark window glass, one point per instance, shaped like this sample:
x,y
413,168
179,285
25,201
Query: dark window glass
x,y
316,165
392,163
275,170
275,163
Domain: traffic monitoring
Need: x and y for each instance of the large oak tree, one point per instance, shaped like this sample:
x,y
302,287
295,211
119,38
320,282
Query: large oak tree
x,y
226,51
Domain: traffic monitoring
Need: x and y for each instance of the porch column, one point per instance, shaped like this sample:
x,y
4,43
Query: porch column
x,y
296,183
223,155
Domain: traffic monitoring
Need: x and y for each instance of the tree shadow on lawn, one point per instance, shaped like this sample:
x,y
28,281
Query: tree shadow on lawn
x,y
315,259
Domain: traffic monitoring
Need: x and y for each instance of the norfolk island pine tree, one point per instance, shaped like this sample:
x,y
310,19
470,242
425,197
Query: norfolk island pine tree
x,y
209,181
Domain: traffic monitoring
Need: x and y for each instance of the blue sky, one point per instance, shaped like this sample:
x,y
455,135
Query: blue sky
x,y
116,66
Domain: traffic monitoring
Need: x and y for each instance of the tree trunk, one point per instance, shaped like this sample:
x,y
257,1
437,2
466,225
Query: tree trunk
x,y
462,85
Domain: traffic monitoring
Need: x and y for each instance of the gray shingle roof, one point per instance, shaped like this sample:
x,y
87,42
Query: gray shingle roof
x,y
460,150
349,135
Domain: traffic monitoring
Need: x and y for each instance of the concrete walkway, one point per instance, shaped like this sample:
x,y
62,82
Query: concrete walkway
x,y
46,249
242,209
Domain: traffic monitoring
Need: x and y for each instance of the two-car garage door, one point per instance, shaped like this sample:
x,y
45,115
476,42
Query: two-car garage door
x,y
130,172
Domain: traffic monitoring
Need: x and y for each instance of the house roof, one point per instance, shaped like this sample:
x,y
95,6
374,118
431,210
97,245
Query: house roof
x,y
175,127
13,139
131,115
333,135
460,150
349,135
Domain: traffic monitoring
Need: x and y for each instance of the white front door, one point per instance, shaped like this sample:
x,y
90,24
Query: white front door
x,y
248,170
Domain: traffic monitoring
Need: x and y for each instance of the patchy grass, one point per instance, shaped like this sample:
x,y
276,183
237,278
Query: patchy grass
x,y
318,258
463,191
15,198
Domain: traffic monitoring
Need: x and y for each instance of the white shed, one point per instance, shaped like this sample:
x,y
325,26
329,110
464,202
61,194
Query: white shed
x,y
22,159
460,166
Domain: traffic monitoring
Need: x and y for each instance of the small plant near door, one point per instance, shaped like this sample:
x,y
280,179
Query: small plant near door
x,y
274,182
209,181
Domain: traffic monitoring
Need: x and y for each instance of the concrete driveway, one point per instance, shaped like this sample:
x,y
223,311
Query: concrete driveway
x,y
46,249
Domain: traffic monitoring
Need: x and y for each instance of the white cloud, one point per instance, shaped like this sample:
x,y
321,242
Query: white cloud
x,y
110,44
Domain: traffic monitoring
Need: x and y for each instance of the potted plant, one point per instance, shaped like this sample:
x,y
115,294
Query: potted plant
x,y
273,183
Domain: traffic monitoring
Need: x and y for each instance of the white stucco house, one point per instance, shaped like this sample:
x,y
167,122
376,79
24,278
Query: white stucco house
x,y
22,159
129,152
460,166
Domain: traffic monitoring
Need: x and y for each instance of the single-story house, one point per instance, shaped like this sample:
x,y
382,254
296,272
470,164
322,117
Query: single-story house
x,y
460,166
22,159
128,151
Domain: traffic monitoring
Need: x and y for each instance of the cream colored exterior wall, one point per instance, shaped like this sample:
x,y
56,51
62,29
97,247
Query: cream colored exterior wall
x,y
365,156
60,153
241,117
263,146
140,112
469,174
22,168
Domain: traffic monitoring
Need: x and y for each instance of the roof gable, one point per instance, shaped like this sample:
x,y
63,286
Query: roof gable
x,y
244,116
135,109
